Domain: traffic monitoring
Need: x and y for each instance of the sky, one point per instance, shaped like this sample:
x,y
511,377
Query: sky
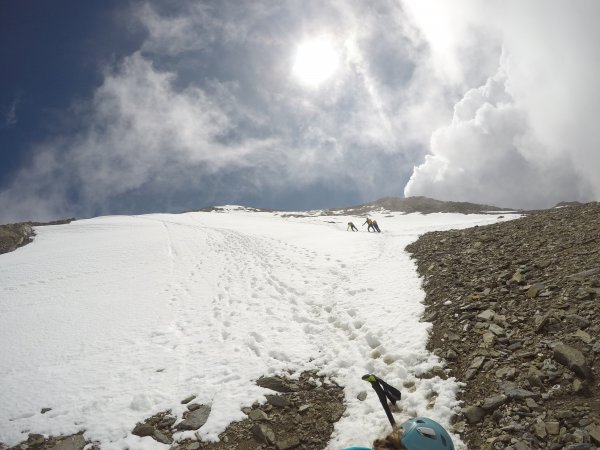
x,y
163,106
139,312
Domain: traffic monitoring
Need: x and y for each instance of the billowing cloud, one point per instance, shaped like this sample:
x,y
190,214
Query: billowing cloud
x,y
489,102
527,137
207,110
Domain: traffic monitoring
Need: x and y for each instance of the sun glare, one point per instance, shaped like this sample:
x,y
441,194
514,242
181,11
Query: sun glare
x,y
316,61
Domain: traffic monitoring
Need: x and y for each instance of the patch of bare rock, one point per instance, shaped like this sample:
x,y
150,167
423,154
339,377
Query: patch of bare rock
x,y
298,414
515,308
15,235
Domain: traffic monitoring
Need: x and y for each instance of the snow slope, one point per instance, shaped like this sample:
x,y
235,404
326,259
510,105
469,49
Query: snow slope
x,y
110,320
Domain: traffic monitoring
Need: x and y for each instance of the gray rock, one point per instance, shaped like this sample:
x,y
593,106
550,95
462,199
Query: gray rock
x,y
506,372
459,427
585,337
488,338
264,433
188,399
474,367
531,403
74,442
193,406
552,427
534,377
275,384
486,315
497,329
534,290
516,393
520,445
518,278
578,320
362,396
586,273
287,443
167,422
581,436
573,359
595,433
336,412
187,446
279,401
195,419
35,439
581,387
143,429
474,414
162,438
303,408
543,263
257,415
539,428
540,322
450,354
494,402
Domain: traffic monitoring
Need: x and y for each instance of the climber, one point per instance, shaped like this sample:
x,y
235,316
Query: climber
x,y
351,227
369,222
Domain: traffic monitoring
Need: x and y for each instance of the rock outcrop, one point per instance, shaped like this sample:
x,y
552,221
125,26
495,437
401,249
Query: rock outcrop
x,y
15,235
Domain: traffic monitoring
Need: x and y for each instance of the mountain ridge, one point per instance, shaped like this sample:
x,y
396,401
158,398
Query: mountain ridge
x,y
15,235
407,205
424,205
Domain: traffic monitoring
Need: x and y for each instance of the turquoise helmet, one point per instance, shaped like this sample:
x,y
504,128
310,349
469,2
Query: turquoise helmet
x,y
421,433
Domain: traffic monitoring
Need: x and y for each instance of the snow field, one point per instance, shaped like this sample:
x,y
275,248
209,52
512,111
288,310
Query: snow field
x,y
110,320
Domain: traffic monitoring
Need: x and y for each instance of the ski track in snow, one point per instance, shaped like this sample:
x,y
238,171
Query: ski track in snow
x,y
110,320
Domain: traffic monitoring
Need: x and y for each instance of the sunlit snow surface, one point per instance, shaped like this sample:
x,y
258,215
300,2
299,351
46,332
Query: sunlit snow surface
x,y
110,320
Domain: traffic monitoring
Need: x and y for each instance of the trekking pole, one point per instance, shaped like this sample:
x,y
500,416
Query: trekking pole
x,y
385,392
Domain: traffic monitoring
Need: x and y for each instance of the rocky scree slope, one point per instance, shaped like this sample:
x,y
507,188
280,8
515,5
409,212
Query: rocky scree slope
x,y
515,308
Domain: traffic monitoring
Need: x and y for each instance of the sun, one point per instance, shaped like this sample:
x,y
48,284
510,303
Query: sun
x,y
316,61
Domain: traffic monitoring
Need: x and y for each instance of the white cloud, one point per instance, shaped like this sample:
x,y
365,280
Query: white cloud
x,y
527,138
10,115
174,34
139,129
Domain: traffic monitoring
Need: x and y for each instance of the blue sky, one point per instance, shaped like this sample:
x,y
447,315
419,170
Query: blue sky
x,y
131,107
51,54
